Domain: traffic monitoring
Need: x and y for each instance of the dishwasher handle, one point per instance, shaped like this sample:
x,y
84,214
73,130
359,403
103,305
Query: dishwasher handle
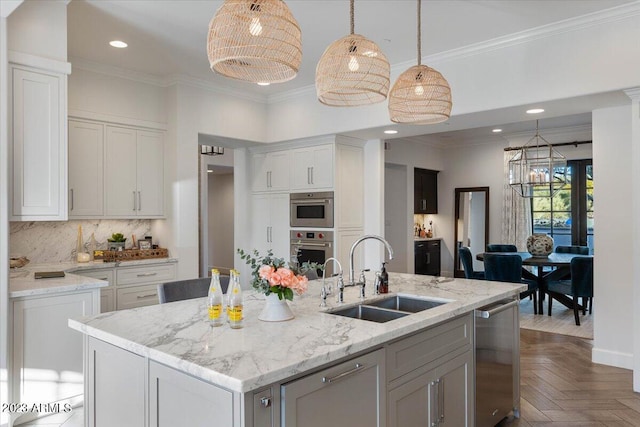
x,y
485,314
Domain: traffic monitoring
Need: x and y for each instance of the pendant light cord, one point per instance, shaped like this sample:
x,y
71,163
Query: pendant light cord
x,y
351,12
419,35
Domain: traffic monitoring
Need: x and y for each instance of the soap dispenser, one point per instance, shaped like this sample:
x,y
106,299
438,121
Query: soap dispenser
x,y
384,280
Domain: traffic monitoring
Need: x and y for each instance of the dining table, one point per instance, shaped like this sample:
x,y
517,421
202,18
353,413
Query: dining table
x,y
558,268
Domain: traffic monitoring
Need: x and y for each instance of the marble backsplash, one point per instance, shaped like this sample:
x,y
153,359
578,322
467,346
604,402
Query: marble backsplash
x,y
55,241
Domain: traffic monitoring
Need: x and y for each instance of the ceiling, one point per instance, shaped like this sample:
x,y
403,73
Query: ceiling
x,y
168,38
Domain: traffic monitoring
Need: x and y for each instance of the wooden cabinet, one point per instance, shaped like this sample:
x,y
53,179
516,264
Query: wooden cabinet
x,y
116,386
134,166
427,257
312,168
425,191
176,399
47,355
351,393
270,223
270,171
431,377
38,144
86,169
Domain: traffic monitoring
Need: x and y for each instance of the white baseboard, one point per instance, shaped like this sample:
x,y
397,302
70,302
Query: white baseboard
x,y
612,358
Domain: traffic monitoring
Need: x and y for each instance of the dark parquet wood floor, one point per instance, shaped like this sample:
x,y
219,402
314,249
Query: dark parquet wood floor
x,y
560,386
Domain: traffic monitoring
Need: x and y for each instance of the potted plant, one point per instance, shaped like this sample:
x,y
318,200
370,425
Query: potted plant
x,y
116,242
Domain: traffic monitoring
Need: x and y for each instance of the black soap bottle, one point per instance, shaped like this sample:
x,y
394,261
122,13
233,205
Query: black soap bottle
x,y
384,280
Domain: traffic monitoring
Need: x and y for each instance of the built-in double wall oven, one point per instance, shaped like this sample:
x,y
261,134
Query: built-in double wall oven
x,y
311,210
313,246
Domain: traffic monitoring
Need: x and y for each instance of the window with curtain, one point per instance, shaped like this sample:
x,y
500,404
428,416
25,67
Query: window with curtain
x,y
568,215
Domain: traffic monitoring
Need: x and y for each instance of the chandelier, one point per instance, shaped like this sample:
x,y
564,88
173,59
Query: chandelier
x,y
352,71
421,95
257,41
537,169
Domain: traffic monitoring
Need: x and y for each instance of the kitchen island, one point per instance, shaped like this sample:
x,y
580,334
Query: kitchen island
x,y
164,365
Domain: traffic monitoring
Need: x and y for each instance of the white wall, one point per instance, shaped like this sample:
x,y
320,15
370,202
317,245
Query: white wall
x,y
39,28
614,258
395,217
4,216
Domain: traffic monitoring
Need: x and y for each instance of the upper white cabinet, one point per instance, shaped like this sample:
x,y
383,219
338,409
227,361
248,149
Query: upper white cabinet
x,y
134,173
86,169
312,168
270,171
38,152
270,223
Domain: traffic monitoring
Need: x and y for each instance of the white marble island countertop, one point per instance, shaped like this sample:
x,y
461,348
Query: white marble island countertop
x,y
261,353
22,282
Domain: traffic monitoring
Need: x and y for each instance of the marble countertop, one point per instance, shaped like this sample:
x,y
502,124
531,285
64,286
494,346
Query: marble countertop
x,y
22,282
423,239
178,335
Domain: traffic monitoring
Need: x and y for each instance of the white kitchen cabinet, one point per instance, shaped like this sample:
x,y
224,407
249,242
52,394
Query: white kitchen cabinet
x,y
270,222
312,168
86,169
38,144
47,355
116,386
176,399
270,171
136,296
349,194
107,294
134,166
348,394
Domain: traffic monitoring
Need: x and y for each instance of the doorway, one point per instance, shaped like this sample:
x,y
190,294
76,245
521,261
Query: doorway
x,y
216,212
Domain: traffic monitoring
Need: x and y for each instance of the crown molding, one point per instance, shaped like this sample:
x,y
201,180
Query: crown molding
x,y
633,93
214,88
123,73
47,64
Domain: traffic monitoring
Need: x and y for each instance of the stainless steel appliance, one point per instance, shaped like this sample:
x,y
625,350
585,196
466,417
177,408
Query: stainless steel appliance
x,y
497,343
313,246
311,209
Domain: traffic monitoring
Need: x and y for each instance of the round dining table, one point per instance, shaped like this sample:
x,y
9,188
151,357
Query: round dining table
x,y
560,262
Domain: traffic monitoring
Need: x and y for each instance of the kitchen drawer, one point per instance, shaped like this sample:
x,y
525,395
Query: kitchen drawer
x,y
147,274
136,296
408,354
101,274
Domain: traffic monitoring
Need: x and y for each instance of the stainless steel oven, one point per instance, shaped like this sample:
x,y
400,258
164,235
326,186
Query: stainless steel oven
x,y
313,246
311,209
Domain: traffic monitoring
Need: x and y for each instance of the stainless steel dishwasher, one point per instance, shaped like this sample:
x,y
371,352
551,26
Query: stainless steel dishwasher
x,y
497,343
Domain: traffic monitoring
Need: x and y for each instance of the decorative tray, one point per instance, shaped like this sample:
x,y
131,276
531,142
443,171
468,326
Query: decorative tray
x,y
131,254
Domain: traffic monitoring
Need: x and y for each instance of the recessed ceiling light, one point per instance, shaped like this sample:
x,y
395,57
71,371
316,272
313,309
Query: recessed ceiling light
x,y
209,170
535,111
119,44
390,131
496,130
263,83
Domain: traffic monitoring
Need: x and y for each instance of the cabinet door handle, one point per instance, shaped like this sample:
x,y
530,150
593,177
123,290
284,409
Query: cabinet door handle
x,y
269,179
355,369
134,200
139,201
145,296
424,204
440,400
71,191
311,174
146,274
433,403
265,401
428,257
308,175
268,234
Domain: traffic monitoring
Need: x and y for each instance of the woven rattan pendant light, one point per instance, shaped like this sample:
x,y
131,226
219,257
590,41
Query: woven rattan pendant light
x,y
421,95
257,41
352,71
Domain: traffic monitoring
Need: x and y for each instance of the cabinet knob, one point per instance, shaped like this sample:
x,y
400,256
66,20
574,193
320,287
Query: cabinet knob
x,y
265,402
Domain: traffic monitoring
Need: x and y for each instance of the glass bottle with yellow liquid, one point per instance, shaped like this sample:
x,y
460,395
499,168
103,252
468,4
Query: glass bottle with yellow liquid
x,y
215,299
234,303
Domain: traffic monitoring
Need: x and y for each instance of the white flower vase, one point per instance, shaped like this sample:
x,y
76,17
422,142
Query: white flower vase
x,y
539,245
275,310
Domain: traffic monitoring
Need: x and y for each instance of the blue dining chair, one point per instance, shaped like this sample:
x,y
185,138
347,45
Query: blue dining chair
x,y
579,250
508,268
499,247
467,263
580,285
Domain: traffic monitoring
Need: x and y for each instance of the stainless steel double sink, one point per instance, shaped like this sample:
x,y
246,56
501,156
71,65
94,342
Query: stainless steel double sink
x,y
390,308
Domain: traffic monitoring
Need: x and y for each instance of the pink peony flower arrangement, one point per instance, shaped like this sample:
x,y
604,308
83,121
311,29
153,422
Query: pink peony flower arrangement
x,y
274,275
